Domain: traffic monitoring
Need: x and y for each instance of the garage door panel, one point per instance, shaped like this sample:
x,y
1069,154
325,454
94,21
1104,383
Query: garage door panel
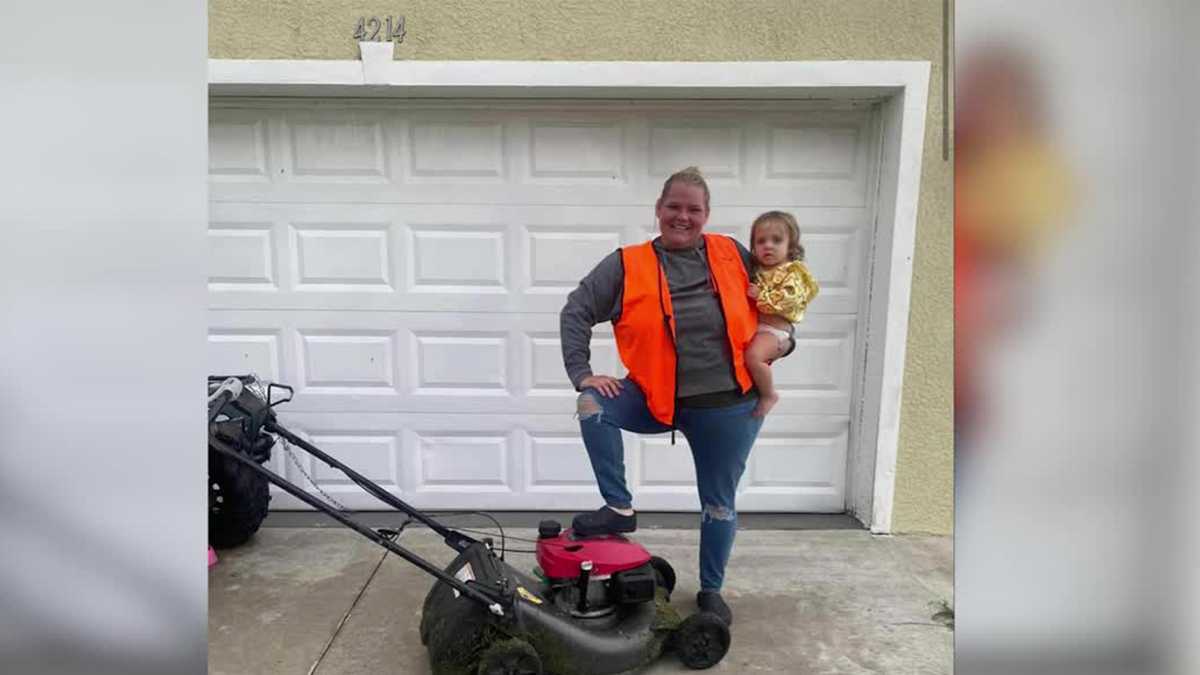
x,y
558,463
835,258
786,460
817,193
369,361
498,462
242,256
817,376
576,150
461,363
787,469
547,299
451,149
506,259
798,464
348,257
504,363
555,257
458,259
463,460
347,361
716,145
548,377
441,461
814,151
343,146
409,153
237,146
373,455
233,351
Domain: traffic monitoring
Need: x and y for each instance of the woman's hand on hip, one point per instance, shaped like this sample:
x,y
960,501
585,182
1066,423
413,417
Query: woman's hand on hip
x,y
609,387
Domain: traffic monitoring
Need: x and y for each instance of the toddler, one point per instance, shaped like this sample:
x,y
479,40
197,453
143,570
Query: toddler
x,y
782,287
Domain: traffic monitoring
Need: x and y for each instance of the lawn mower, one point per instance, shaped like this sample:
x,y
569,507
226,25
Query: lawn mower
x,y
594,606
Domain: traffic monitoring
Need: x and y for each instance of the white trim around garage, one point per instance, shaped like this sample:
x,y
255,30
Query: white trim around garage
x,y
901,87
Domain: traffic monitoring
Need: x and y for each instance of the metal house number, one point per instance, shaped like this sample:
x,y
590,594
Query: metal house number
x,y
372,29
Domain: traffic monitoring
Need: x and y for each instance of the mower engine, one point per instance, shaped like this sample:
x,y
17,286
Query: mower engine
x,y
592,576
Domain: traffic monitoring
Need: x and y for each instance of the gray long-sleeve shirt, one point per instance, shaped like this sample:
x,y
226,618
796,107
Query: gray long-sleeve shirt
x,y
702,343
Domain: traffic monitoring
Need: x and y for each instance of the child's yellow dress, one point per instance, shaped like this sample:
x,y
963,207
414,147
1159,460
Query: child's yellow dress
x,y
786,290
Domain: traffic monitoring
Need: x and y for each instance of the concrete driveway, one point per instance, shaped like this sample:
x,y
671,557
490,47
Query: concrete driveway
x,y
325,600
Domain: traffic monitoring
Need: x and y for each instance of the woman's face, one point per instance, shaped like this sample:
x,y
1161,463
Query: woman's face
x,y
681,215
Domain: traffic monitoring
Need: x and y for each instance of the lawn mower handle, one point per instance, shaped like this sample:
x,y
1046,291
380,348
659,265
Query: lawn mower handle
x,y
456,540
230,391
231,388
493,603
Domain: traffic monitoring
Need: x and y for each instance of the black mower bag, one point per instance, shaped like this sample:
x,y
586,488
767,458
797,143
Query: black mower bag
x,y
238,497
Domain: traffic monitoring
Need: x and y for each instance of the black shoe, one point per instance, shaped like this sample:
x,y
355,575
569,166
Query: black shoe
x,y
710,601
603,521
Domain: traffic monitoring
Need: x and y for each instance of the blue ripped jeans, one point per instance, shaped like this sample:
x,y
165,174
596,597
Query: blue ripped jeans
x,y
720,439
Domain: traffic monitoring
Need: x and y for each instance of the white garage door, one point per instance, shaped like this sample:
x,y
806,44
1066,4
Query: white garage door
x,y
402,264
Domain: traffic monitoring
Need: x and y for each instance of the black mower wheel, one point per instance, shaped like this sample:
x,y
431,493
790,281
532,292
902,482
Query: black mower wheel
x,y
510,657
237,503
701,640
664,574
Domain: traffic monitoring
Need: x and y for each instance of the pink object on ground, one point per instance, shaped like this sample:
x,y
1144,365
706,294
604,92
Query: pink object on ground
x,y
212,557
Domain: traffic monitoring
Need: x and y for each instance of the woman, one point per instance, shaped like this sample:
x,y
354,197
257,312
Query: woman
x,y
682,320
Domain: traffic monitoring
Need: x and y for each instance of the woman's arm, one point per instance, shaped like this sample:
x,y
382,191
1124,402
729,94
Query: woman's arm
x,y
597,299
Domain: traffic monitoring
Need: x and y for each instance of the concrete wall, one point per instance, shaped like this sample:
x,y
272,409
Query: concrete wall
x,y
684,30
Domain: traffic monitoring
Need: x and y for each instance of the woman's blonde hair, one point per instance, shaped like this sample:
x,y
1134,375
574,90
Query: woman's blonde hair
x,y
795,249
689,176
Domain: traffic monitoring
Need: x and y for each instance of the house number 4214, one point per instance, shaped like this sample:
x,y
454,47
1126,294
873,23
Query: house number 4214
x,y
372,29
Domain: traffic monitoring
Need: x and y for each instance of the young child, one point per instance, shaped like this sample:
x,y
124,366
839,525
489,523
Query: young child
x,y
782,287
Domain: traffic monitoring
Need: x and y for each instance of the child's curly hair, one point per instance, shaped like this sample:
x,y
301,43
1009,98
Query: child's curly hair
x,y
795,248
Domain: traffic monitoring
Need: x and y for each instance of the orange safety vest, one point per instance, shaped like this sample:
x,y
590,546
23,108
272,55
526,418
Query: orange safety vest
x,y
645,331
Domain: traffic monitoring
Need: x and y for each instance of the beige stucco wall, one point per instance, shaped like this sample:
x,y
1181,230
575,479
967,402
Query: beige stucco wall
x,y
684,30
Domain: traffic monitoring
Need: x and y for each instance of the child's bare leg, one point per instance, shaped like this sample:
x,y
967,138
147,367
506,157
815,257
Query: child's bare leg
x,y
762,349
